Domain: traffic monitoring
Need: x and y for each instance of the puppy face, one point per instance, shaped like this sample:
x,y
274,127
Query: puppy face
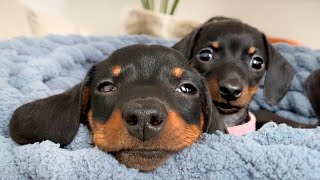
x,y
234,56
144,103
233,60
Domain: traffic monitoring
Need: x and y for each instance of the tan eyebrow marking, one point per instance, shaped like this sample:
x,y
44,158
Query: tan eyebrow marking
x,y
116,70
215,44
177,72
252,50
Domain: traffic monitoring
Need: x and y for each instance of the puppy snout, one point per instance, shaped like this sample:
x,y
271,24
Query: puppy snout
x,y
230,90
144,119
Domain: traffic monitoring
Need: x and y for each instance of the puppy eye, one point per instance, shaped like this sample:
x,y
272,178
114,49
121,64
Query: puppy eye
x,y
205,54
188,89
256,62
106,87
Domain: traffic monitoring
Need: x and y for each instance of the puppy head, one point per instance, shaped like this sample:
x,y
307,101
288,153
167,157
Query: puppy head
x,y
145,103
234,56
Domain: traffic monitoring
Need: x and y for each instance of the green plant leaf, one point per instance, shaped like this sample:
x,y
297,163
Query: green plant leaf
x,y
151,5
164,6
144,5
175,3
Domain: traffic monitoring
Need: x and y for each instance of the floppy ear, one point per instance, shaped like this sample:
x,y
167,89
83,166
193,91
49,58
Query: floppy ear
x,y
185,46
212,119
279,75
55,118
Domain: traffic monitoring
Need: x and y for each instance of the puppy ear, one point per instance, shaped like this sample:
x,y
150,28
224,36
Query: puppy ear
x,y
85,95
279,74
55,118
186,45
212,119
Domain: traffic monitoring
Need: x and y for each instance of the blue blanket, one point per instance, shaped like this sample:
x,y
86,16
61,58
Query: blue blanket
x,y
37,68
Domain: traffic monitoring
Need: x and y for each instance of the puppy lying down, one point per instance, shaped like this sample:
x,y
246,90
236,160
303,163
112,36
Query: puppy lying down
x,y
142,104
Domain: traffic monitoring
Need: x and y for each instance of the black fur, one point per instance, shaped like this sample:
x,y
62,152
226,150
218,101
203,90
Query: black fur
x,y
235,38
146,72
313,91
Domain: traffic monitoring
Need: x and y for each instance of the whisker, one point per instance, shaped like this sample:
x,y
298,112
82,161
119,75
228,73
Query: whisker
x,y
187,63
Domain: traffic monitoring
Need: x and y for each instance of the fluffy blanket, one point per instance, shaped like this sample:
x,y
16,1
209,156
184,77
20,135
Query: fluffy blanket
x,y
36,68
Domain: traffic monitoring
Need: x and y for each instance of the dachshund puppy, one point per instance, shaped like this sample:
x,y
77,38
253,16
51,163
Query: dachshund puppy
x,y
233,57
313,91
142,104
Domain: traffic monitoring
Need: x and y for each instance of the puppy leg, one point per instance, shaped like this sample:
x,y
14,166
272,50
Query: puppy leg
x,y
265,116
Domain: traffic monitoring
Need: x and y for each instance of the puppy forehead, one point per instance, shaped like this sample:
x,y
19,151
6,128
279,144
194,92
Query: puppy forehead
x,y
230,27
231,30
144,62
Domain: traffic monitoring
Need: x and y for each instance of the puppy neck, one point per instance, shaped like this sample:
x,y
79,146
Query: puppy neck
x,y
237,118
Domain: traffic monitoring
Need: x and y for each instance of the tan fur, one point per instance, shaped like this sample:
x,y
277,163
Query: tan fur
x,y
243,101
116,70
252,50
253,90
215,44
85,97
214,90
112,136
177,72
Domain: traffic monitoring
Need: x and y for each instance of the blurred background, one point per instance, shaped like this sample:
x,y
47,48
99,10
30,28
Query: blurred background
x,y
291,19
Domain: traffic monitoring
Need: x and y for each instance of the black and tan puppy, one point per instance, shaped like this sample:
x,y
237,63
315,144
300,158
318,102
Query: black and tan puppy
x,y
234,57
313,91
142,104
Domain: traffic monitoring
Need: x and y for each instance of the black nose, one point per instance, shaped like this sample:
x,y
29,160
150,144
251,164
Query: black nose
x,y
144,119
230,90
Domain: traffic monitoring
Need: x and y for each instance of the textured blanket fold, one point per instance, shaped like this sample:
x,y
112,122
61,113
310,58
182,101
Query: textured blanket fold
x,y
36,68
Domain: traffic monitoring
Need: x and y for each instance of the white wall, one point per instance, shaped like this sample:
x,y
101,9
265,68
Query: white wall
x,y
295,19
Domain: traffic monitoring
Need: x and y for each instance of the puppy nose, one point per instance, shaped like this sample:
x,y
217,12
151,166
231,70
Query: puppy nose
x,y
230,90
144,119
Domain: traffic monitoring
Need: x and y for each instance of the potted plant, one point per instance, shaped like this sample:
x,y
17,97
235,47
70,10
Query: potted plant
x,y
157,22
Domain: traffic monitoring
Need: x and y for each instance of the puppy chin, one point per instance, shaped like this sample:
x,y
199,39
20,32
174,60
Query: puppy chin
x,y
144,160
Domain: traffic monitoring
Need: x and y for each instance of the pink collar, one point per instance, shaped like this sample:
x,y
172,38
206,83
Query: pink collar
x,y
245,128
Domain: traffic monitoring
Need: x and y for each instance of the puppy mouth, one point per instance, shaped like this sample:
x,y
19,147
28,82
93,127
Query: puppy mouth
x,y
143,159
226,108
145,153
